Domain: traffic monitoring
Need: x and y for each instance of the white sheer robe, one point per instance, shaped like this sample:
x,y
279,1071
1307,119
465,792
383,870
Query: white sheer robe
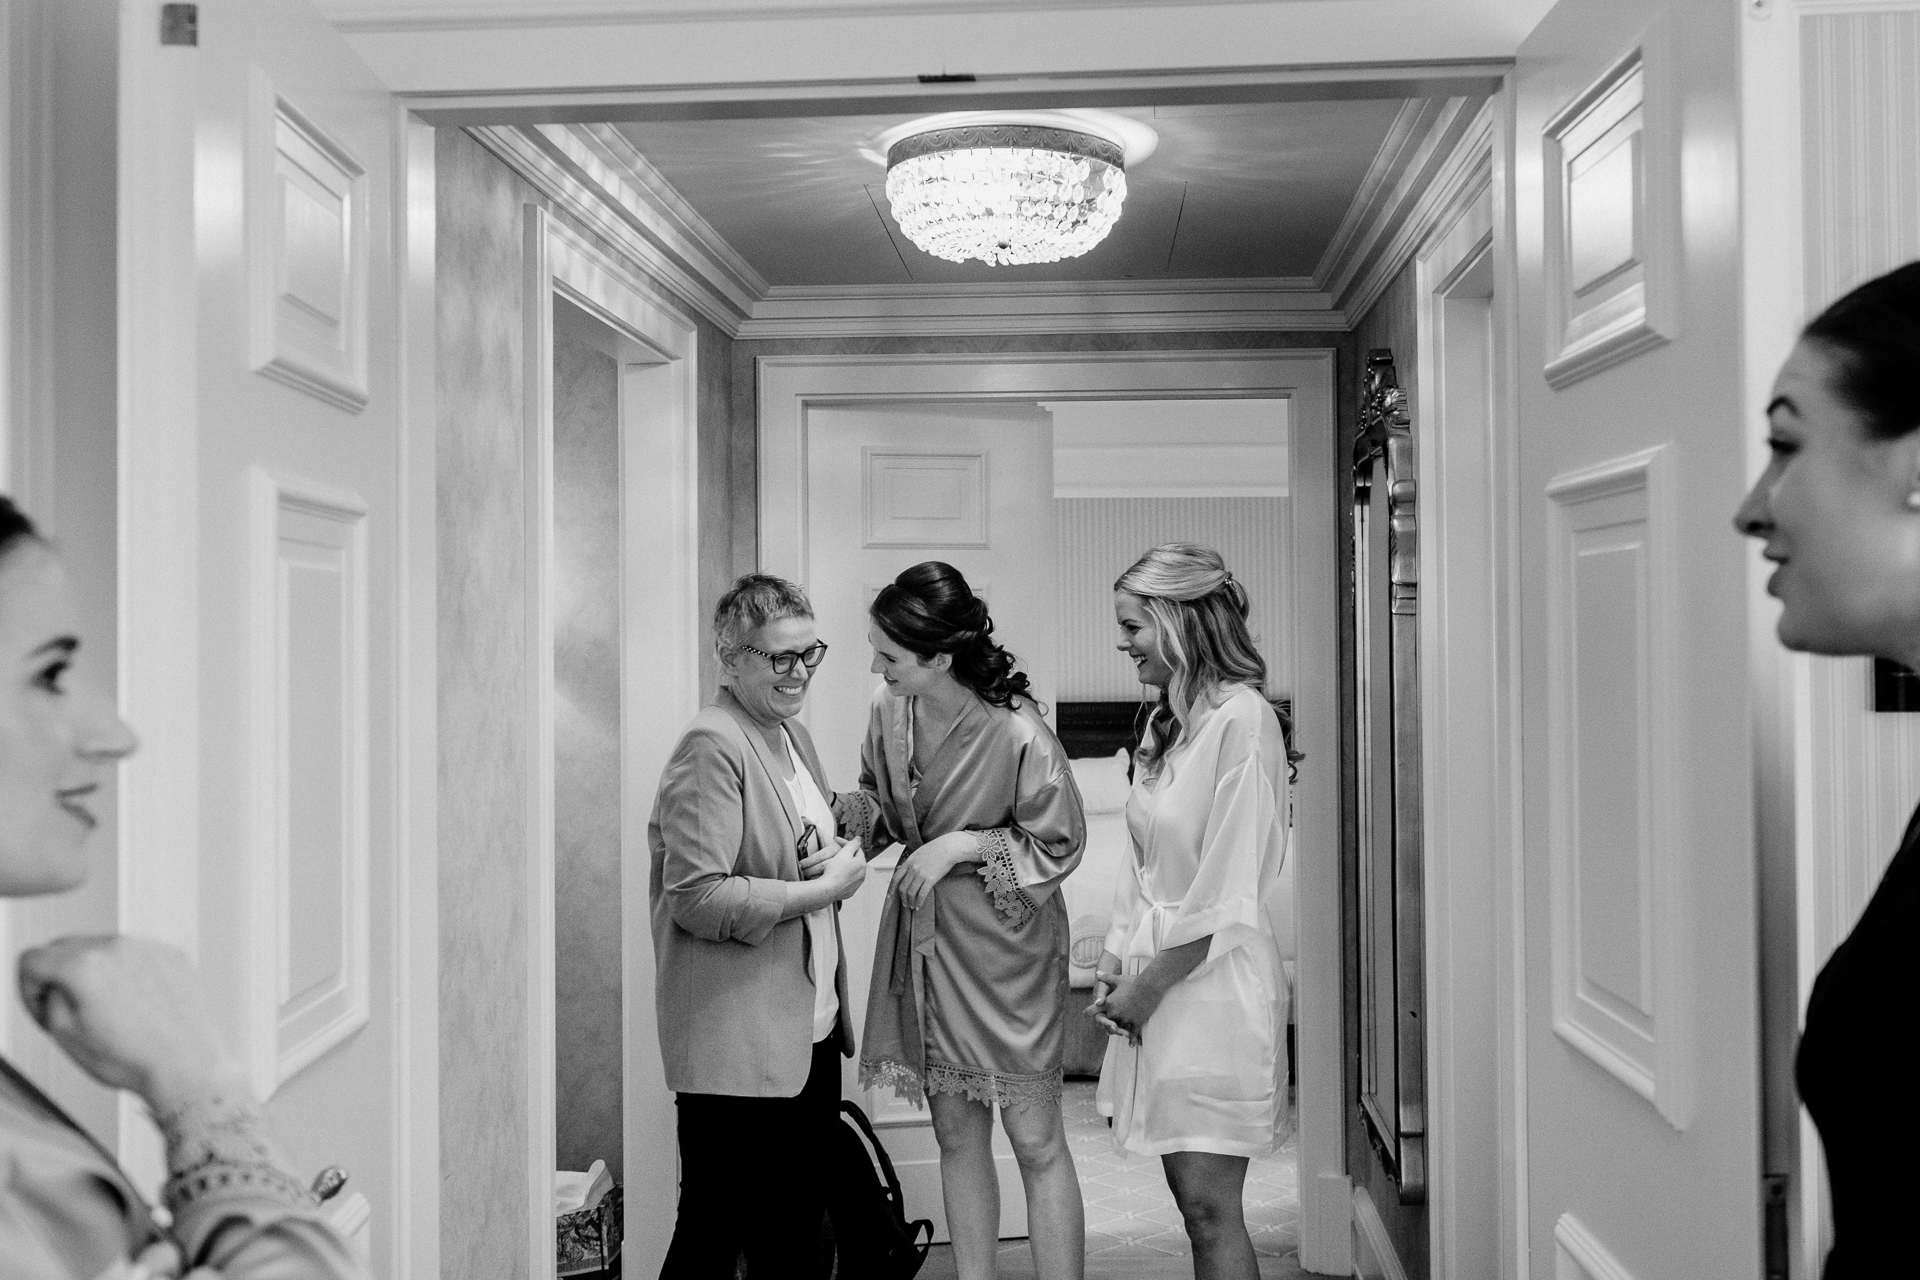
x,y
1209,833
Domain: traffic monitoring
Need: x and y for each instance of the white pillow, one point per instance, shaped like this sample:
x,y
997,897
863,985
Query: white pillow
x,y
1102,781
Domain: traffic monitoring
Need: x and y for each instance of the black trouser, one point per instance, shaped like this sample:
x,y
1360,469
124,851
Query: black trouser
x,y
753,1174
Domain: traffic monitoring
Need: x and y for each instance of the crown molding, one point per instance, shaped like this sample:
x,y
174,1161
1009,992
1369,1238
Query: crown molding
x,y
1055,306
1365,262
938,325
636,228
1356,228
1458,175
629,169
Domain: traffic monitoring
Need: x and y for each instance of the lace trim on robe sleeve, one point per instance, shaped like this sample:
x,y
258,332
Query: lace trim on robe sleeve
x,y
220,1145
858,814
1003,878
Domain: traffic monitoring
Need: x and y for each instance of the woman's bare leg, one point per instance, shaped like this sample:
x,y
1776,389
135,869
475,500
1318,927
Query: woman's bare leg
x,y
968,1185
1208,1189
1056,1217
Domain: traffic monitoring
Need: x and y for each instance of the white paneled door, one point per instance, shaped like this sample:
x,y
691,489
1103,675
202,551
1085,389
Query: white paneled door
x,y
265,447
1637,1042
888,486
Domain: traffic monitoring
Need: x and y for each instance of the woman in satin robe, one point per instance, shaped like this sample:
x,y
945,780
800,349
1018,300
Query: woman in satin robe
x,y
969,999
1191,973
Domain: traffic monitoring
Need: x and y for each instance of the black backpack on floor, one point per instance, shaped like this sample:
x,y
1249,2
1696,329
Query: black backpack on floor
x,y
872,1238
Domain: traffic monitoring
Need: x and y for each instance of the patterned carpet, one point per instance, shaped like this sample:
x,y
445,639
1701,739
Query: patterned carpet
x,y
1133,1229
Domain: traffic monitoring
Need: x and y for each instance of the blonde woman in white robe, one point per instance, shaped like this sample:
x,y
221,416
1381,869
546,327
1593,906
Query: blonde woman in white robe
x,y
1190,984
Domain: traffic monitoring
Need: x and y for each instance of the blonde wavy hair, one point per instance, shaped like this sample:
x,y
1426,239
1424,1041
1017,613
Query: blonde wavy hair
x,y
1201,615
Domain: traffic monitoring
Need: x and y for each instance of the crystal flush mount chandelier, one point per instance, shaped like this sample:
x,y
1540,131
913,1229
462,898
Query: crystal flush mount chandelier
x,y
1011,188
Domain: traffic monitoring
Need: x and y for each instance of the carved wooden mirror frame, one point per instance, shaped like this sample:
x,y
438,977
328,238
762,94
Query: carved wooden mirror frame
x,y
1392,1083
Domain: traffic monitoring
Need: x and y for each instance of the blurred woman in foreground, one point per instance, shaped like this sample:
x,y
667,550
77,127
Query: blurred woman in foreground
x,y
130,1012
1838,508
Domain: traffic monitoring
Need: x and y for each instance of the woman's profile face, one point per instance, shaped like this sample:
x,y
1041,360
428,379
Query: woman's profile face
x,y
1140,640
905,672
58,741
1837,511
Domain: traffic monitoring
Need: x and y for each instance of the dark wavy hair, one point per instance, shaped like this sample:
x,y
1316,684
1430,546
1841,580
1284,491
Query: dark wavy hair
x,y
1873,335
930,609
15,526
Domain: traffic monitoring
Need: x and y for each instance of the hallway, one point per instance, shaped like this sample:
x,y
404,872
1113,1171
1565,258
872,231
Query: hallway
x,y
1133,1230
328,326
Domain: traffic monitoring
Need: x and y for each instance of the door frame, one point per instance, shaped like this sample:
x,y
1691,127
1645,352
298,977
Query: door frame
x,y
1471,762
787,385
660,630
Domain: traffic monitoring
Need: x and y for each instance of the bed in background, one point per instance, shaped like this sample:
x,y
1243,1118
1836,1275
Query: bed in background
x,y
1099,738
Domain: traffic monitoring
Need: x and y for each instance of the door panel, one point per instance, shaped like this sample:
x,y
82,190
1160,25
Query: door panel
x,y
1639,1055
271,679
888,487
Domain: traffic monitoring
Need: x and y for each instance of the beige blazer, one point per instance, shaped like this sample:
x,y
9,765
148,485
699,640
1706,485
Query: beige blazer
x,y
731,990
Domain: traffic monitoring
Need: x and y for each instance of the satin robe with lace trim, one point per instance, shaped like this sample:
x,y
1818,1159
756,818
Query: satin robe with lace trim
x,y
969,992
1209,832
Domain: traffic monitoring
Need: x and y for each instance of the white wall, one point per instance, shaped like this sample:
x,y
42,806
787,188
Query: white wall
x,y
1169,448
1131,474
1099,537
1860,78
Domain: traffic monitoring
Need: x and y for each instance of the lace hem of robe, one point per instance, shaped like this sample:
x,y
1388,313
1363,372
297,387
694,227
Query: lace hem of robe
x,y
996,1087
1003,878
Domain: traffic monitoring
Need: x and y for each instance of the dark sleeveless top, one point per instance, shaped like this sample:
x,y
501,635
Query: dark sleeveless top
x,y
1856,1072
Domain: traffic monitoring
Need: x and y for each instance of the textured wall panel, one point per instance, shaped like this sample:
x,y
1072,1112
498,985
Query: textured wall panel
x,y
1100,537
1860,139
586,741
1860,122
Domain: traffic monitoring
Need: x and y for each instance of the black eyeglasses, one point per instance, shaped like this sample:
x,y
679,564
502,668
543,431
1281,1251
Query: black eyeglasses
x,y
782,663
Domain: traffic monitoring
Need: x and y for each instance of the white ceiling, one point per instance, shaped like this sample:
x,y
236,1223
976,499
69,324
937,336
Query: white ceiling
x,y
547,51
1233,192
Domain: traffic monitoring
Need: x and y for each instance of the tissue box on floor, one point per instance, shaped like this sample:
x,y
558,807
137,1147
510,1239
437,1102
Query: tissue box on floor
x,y
587,1221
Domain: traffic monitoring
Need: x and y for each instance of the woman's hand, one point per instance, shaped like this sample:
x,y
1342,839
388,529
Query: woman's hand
x,y
928,865
1131,1000
1106,974
816,862
132,1013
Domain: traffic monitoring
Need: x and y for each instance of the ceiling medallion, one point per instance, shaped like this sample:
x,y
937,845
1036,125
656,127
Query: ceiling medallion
x,y
1010,190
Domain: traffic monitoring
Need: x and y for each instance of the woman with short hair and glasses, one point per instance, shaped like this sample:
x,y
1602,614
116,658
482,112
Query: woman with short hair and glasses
x,y
969,1000
750,980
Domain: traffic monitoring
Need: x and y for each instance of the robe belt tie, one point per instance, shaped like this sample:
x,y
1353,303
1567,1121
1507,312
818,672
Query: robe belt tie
x,y
913,935
1143,944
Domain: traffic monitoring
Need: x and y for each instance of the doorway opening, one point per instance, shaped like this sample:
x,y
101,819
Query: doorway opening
x,y
589,1042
